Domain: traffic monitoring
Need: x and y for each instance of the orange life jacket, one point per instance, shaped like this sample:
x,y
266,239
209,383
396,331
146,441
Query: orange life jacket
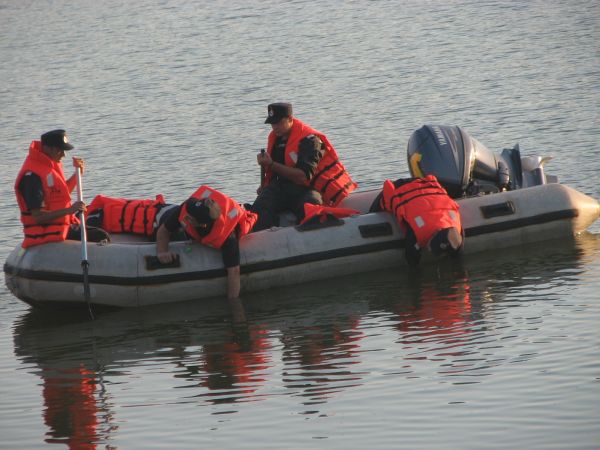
x,y
57,195
330,178
120,215
424,205
311,211
232,216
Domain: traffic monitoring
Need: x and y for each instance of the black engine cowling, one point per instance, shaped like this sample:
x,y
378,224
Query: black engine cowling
x,y
461,163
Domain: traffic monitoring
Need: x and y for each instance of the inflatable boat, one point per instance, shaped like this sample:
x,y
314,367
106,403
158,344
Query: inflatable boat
x,y
505,200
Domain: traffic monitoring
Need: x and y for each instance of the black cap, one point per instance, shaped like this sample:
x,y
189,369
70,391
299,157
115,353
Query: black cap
x,y
441,242
277,111
198,210
56,138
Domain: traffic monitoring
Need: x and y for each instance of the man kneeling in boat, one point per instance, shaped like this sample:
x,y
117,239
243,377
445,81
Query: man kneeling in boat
x,y
44,195
428,216
300,166
210,218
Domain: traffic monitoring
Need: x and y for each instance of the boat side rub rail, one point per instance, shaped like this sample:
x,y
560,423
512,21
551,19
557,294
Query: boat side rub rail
x,y
282,263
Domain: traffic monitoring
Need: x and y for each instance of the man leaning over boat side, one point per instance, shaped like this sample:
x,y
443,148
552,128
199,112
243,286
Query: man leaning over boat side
x,y
210,218
44,195
300,166
427,215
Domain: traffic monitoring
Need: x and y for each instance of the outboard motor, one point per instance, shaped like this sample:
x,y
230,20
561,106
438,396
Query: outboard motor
x,y
461,163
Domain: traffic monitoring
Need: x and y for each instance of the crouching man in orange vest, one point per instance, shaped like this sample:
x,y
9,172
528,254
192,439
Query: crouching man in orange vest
x,y
210,218
44,195
427,215
300,166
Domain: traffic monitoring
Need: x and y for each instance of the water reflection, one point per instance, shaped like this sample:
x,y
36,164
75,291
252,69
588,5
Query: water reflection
x,y
231,367
82,362
439,309
77,407
74,407
459,316
318,358
437,313
311,343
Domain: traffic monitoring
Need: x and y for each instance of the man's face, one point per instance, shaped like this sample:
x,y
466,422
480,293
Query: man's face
x,y
55,153
283,127
214,210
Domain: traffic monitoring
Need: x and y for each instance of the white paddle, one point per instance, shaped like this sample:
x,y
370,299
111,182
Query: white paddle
x,y
84,256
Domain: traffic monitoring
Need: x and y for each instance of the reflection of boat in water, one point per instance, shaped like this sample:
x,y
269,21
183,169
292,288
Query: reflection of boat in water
x,y
314,349
223,361
506,200
127,335
81,363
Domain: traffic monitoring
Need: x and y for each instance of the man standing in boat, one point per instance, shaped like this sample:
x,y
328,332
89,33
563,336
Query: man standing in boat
x,y
427,215
300,166
210,218
44,195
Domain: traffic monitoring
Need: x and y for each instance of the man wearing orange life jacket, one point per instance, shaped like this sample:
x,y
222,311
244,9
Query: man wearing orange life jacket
x,y
44,195
300,166
210,218
426,214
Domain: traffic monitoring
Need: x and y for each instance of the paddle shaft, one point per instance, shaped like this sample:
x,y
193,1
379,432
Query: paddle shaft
x,y
84,255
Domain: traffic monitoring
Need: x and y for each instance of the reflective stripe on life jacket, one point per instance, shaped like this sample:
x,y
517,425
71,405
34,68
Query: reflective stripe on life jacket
x,y
330,178
424,205
232,215
120,215
57,195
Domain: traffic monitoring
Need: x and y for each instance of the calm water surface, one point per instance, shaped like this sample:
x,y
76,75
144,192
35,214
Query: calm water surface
x,y
499,351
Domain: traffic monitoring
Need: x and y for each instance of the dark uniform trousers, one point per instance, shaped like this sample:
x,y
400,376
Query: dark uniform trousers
x,y
280,196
